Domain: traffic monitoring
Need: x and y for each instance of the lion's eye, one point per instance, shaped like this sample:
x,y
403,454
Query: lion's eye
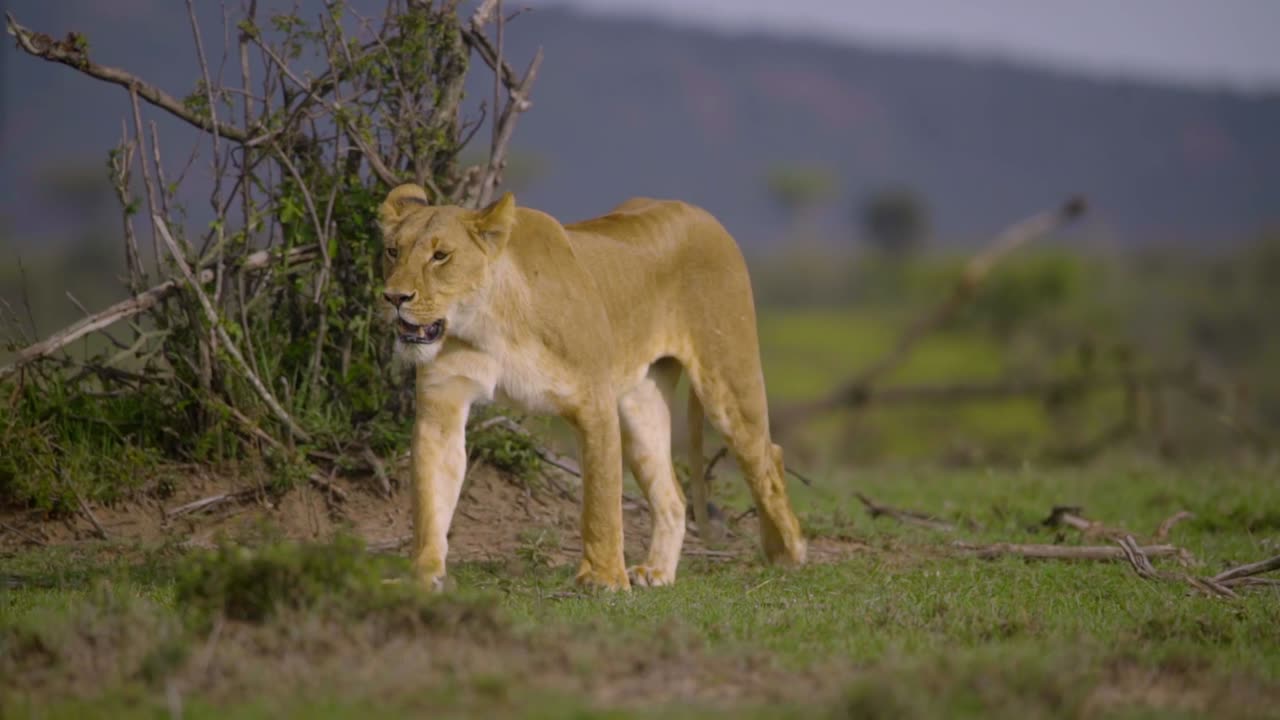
x,y
440,256
393,252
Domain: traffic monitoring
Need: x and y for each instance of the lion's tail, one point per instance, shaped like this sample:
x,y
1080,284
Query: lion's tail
x,y
697,477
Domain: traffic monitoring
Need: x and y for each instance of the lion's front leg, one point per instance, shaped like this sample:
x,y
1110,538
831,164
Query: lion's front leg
x,y
601,444
439,460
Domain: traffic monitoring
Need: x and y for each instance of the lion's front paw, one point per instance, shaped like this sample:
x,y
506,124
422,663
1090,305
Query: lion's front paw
x,y
649,576
591,577
433,583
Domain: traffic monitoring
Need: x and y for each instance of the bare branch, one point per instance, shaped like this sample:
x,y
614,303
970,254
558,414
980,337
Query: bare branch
x,y
975,271
140,303
212,314
547,456
506,126
72,53
84,507
1162,532
311,90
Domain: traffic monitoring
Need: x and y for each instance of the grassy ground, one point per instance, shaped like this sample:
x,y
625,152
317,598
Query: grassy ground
x,y
891,621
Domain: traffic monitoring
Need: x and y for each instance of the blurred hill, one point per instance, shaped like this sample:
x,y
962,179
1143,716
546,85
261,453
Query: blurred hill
x,y
629,107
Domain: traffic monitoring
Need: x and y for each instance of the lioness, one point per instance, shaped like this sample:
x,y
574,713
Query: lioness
x,y
592,322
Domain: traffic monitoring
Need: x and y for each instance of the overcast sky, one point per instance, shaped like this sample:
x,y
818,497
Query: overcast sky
x,y
1203,42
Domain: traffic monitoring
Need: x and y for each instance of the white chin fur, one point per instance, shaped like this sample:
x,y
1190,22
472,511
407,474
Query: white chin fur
x,y
416,353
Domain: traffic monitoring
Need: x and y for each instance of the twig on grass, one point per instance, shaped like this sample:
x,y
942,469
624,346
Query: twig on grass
x,y
1252,582
1073,516
1162,532
1249,570
909,517
1137,558
1141,564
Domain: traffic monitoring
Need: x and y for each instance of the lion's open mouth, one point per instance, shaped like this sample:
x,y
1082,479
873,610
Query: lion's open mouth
x,y
420,334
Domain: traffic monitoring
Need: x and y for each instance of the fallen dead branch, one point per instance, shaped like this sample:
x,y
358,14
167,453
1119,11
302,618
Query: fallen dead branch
x,y
208,502
140,303
84,508
327,486
22,534
1061,552
1137,558
909,517
1141,564
1245,571
1073,517
856,390
1252,582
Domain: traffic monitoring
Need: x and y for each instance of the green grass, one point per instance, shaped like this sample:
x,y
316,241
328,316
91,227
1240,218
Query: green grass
x,y
808,351
901,627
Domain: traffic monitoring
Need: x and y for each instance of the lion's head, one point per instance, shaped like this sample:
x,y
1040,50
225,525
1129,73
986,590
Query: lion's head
x,y
435,259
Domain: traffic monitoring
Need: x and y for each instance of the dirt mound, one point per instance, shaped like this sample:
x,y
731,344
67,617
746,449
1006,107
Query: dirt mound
x,y
498,515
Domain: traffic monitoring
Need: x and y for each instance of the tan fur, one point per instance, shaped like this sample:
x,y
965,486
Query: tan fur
x,y
593,322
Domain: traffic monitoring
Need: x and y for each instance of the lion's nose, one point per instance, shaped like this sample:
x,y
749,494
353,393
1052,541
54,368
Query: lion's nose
x,y
398,298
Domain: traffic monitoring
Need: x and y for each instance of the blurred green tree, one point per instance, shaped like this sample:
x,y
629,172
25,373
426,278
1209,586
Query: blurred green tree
x,y
798,190
895,221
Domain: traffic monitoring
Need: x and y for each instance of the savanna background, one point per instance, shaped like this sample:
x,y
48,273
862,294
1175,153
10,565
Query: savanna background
x,y
201,503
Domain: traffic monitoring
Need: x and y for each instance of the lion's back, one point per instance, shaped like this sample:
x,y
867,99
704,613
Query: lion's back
x,y
644,231
660,262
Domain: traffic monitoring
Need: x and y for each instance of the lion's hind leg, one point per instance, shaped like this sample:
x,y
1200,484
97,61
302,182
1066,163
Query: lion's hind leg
x,y
734,402
646,436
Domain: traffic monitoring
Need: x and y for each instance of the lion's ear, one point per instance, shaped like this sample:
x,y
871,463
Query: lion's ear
x,y
398,203
493,224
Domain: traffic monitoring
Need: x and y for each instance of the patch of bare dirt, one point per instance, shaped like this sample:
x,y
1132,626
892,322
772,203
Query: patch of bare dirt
x,y
497,515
